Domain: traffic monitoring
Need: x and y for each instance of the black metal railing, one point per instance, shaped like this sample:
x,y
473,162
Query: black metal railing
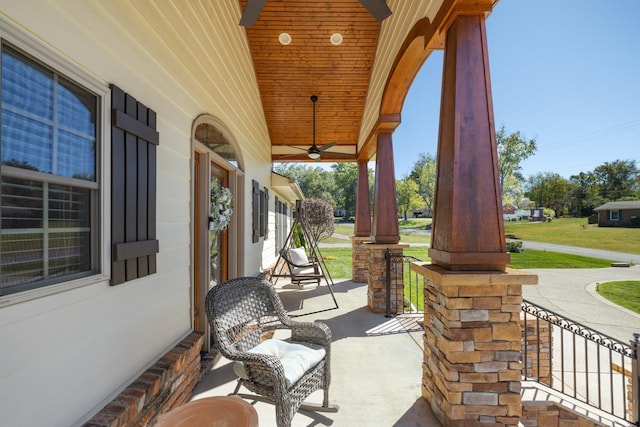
x,y
412,300
582,363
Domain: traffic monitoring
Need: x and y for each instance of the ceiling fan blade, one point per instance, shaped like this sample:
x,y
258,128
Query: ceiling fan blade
x,y
327,146
297,148
338,154
377,8
251,12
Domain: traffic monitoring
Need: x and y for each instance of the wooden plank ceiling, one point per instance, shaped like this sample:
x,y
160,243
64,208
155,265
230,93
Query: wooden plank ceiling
x,y
288,75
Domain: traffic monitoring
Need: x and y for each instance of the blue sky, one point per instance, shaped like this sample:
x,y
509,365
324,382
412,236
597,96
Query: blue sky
x,y
565,72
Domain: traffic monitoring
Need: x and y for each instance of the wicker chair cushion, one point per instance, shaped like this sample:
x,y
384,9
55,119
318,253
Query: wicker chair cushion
x,y
296,359
298,256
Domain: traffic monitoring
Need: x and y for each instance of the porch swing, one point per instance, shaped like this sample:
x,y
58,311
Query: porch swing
x,y
304,265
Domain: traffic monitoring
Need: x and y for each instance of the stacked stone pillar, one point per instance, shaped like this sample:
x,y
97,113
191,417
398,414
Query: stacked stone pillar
x,y
377,279
472,345
360,266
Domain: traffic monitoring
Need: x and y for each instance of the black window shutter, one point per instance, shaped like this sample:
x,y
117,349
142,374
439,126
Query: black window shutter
x,y
134,141
256,212
266,213
261,217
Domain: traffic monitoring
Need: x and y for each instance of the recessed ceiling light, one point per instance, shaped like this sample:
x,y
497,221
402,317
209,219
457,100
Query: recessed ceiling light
x,y
336,39
284,39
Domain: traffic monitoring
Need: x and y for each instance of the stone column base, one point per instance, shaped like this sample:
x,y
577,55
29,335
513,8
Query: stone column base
x,y
472,345
360,268
377,280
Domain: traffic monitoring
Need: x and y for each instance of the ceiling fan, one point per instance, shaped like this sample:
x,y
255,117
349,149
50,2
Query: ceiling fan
x,y
314,152
377,8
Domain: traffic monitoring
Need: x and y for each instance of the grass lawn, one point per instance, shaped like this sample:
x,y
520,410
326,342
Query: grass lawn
x,y
576,232
339,261
624,293
570,231
544,259
415,223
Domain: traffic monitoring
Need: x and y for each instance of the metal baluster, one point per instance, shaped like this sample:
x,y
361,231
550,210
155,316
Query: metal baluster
x,y
526,347
611,378
562,358
635,379
387,258
599,380
575,369
586,366
538,346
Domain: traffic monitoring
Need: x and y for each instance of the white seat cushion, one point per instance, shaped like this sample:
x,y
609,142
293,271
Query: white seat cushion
x,y
298,256
303,271
296,359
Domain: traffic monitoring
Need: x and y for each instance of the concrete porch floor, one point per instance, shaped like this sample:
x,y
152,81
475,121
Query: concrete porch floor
x,y
376,366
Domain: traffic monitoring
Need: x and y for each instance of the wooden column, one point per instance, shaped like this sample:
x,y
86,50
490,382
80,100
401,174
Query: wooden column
x,y
468,231
362,230
363,209
385,205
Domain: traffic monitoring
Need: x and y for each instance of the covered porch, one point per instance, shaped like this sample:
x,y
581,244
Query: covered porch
x,y
465,364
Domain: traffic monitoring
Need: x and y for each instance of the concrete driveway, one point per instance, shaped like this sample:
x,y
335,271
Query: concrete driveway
x,y
572,293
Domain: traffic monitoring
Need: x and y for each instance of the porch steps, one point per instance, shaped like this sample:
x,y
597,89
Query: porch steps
x,y
536,394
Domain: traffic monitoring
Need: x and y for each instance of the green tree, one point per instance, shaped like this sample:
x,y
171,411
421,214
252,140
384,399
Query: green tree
x,y
617,180
408,197
583,194
548,190
345,177
513,149
512,192
423,174
314,181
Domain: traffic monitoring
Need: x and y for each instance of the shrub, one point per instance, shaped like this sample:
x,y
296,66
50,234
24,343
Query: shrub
x,y
319,214
514,247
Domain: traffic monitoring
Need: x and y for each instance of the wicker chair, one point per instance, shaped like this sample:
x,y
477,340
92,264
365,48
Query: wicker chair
x,y
243,314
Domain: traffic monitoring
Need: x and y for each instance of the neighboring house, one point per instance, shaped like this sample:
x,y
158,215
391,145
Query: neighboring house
x,y
537,214
619,214
339,212
516,214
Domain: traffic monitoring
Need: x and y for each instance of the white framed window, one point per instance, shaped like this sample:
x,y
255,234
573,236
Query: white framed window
x,y
614,215
51,200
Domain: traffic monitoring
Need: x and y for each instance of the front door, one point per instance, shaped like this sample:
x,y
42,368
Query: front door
x,y
211,256
218,240
217,203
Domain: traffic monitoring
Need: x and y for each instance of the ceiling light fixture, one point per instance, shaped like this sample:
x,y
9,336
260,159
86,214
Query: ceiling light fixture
x,y
336,39
284,39
313,152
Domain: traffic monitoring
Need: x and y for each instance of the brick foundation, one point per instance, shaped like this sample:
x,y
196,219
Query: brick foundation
x,y
165,386
377,280
360,268
472,341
